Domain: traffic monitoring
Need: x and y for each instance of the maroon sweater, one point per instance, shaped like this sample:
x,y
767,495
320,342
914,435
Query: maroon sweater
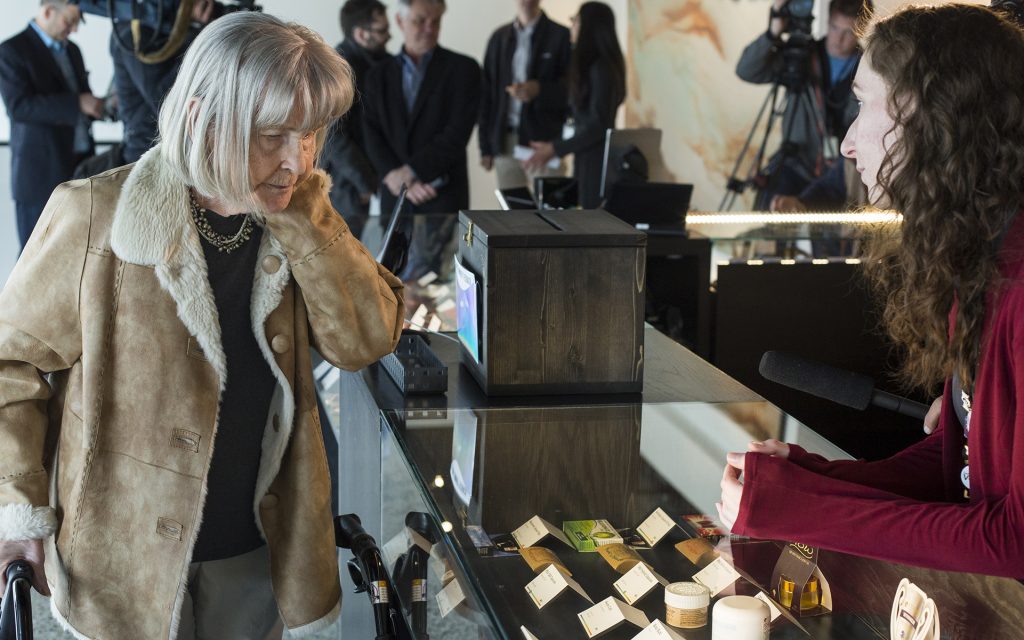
x,y
910,508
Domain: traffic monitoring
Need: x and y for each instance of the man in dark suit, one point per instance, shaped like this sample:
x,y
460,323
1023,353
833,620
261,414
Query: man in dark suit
x,y
46,91
365,25
525,91
421,107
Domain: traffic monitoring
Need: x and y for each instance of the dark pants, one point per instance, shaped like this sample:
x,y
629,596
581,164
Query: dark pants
x,y
27,215
140,90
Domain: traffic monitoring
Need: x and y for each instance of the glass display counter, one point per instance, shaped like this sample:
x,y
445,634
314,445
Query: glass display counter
x,y
462,471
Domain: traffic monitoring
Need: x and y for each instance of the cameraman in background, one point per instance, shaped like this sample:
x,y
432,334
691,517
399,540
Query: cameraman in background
x,y
141,86
833,61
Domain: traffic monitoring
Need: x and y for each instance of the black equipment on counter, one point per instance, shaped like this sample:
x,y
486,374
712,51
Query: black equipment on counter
x,y
854,390
652,206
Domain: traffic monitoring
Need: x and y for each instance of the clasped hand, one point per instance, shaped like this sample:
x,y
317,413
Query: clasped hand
x,y
732,485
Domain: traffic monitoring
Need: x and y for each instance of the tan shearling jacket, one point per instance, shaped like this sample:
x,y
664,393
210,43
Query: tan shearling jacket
x,y
108,458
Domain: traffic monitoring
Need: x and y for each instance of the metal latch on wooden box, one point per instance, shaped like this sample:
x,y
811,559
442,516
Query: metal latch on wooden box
x,y
469,234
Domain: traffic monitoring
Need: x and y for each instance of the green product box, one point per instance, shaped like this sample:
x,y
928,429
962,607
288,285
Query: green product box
x,y
588,535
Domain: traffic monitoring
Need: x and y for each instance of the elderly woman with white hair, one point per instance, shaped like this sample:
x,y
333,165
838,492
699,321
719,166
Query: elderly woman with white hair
x,y
160,449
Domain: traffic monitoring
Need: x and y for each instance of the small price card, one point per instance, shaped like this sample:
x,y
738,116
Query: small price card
x,y
658,630
608,614
654,528
450,597
637,583
550,584
717,576
771,605
527,635
536,529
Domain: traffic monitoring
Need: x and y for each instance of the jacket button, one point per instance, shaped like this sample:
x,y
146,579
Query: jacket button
x,y
268,501
280,343
271,264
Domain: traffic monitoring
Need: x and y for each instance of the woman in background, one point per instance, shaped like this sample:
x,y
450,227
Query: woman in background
x,y
597,86
952,278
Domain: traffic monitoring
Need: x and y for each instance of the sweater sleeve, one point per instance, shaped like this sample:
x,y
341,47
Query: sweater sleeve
x,y
915,472
871,510
757,60
784,501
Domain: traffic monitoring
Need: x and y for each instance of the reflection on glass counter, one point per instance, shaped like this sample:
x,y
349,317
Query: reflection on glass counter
x,y
475,475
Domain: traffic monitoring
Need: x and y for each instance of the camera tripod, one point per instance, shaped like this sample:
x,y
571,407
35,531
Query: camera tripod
x,y
800,93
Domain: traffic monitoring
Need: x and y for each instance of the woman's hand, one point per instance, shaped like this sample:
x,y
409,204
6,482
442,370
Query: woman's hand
x,y
30,551
931,419
771,447
732,487
732,490
543,152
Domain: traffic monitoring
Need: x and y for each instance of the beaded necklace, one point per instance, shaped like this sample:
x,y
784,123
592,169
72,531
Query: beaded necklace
x,y
224,243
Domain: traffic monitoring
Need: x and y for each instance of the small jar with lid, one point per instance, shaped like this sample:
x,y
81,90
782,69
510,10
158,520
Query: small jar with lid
x,y
686,605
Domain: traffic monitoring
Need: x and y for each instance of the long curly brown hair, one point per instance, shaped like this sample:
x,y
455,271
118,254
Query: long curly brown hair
x,y
956,172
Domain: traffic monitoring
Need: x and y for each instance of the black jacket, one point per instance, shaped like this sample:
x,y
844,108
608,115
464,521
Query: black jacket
x,y
433,138
592,119
43,111
344,156
541,119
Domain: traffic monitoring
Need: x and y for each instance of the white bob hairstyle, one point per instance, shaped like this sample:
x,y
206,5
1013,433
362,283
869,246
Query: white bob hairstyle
x,y
247,72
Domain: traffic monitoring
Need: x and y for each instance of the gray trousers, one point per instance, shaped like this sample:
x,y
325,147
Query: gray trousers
x,y
231,599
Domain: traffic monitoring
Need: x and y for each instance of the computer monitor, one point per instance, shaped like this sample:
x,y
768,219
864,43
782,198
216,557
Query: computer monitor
x,y
517,198
619,142
651,205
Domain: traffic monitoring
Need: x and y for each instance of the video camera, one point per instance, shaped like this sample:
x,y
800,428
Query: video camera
x,y
798,14
793,70
157,15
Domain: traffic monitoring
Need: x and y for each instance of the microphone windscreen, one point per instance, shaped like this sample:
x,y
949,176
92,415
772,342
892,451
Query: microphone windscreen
x,y
843,387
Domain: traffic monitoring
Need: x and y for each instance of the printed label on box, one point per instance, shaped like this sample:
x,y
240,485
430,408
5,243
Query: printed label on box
x,y
536,529
717,576
654,528
608,614
550,584
637,583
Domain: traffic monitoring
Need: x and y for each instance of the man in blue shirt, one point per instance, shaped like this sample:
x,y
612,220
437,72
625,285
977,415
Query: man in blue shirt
x,y
46,92
420,109
833,61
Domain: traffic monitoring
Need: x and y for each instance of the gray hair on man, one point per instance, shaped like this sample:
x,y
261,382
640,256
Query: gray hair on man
x,y
246,72
405,5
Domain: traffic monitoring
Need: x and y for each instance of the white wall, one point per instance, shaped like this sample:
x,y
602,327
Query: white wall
x,y
466,27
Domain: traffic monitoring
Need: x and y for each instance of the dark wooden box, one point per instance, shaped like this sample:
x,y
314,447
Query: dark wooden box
x,y
561,307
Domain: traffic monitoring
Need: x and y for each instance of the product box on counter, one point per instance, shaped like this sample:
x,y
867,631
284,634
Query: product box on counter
x,y
588,535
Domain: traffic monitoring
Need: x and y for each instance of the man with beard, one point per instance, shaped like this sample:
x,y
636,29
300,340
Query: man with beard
x,y
365,26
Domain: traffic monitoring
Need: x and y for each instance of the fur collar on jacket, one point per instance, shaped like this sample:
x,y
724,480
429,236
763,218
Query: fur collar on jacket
x,y
153,227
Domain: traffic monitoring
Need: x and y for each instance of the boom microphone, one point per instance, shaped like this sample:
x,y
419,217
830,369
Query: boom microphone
x,y
854,390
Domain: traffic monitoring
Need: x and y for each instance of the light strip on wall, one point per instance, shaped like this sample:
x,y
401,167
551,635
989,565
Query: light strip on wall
x,y
753,217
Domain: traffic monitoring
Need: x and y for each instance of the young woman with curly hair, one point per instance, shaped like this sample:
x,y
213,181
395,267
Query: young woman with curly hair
x,y
940,138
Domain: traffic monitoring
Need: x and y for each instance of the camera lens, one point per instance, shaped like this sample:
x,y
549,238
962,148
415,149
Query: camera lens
x,y
800,8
